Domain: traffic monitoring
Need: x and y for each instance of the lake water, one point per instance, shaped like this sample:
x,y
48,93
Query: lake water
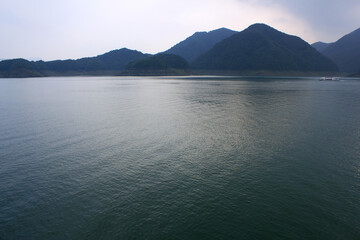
x,y
179,158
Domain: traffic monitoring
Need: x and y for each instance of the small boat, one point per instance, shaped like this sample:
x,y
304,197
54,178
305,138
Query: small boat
x,y
330,79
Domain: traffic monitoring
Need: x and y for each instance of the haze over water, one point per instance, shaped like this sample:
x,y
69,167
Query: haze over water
x,y
179,158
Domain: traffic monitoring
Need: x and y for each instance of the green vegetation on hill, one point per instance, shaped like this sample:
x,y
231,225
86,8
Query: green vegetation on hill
x,y
110,63
158,64
346,52
261,47
18,68
115,60
199,43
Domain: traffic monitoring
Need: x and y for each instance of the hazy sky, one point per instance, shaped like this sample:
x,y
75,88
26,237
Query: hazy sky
x,y
62,29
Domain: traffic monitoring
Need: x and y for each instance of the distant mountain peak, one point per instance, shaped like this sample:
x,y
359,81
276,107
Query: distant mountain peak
x,y
321,46
345,52
199,43
319,42
220,30
120,50
261,47
261,26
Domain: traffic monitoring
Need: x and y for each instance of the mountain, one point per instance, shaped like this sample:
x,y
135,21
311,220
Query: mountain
x,y
159,64
115,60
199,43
17,68
110,63
260,47
321,46
346,52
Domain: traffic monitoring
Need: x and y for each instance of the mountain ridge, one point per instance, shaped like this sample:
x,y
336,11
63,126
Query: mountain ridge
x,y
109,63
159,64
261,47
320,46
345,52
199,43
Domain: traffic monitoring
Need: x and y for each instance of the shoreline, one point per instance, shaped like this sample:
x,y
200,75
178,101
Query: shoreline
x,y
260,73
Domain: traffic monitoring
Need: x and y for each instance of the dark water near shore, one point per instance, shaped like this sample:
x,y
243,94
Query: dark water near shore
x,y
158,158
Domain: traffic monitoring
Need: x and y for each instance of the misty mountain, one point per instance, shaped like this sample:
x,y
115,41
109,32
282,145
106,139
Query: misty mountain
x,y
260,47
199,43
321,46
346,52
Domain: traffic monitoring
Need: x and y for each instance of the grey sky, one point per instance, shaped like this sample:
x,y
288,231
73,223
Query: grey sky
x,y
330,18
61,29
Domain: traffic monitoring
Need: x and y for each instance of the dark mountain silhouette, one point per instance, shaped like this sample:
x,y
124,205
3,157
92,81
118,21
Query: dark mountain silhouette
x,y
258,49
115,60
346,52
321,46
19,68
199,43
110,63
159,64
261,47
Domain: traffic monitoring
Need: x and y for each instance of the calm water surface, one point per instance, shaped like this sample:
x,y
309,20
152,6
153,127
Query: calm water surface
x,y
181,158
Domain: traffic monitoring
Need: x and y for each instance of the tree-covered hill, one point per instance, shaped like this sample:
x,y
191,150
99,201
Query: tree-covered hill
x,y
115,60
346,52
109,63
159,64
260,47
19,68
199,43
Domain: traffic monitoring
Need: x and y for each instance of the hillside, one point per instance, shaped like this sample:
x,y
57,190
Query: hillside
x,y
110,63
346,52
115,61
160,64
17,68
199,43
261,47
